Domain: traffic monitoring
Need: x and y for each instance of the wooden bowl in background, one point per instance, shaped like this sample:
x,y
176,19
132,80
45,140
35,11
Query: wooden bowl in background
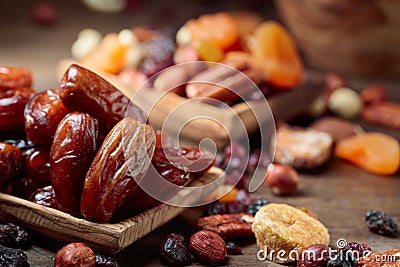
x,y
357,37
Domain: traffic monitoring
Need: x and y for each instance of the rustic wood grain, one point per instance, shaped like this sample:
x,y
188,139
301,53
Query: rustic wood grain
x,y
104,237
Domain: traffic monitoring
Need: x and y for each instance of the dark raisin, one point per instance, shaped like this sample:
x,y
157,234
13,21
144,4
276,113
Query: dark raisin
x,y
381,223
104,261
361,249
233,249
236,207
174,250
256,205
344,258
13,236
217,207
10,257
314,256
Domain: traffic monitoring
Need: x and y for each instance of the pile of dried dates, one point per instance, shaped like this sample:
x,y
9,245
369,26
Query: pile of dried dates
x,y
72,148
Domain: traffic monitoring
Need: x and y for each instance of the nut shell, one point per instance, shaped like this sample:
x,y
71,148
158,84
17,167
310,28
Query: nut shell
x,y
283,227
208,246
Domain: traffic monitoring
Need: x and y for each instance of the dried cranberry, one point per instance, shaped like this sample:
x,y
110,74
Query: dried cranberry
x,y
256,205
13,236
236,157
237,179
314,256
381,223
174,250
233,249
103,261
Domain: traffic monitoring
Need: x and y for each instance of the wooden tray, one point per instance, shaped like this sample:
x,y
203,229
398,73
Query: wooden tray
x,y
103,237
284,105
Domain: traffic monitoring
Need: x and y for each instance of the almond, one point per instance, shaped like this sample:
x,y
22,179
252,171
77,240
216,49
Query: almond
x,y
208,246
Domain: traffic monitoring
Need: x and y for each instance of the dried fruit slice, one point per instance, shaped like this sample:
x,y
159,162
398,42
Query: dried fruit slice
x,y
302,148
283,227
374,152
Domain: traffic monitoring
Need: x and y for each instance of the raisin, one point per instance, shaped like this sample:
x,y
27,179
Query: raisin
x,y
10,161
13,257
233,249
381,223
12,104
83,90
174,250
314,256
37,165
362,249
44,196
14,78
103,261
256,205
13,236
344,258
22,187
42,114
217,207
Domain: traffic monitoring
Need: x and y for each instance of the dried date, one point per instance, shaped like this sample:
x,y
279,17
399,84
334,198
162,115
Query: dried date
x,y
44,196
14,78
123,158
42,114
10,161
13,257
13,236
71,154
12,104
37,165
83,90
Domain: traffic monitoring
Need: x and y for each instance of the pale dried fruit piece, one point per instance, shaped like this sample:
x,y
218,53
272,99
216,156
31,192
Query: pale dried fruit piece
x,y
121,162
302,148
375,152
208,246
337,128
388,258
283,227
345,102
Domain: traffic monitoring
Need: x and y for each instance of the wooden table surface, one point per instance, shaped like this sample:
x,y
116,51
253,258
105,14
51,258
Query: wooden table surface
x,y
340,193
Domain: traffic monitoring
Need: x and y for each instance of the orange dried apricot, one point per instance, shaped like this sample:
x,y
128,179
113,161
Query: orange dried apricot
x,y
375,152
109,55
219,28
276,53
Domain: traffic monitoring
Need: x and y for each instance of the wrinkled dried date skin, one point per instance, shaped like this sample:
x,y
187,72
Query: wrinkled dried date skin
x,y
37,165
123,157
72,152
14,78
85,91
12,104
42,114
44,196
13,257
181,176
10,161
23,187
13,236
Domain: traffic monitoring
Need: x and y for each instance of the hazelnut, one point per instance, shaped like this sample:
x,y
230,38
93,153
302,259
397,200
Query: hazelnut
x,y
282,180
75,255
208,246
345,102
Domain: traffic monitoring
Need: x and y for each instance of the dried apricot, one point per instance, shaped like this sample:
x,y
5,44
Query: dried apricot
x,y
219,28
375,152
276,54
109,55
